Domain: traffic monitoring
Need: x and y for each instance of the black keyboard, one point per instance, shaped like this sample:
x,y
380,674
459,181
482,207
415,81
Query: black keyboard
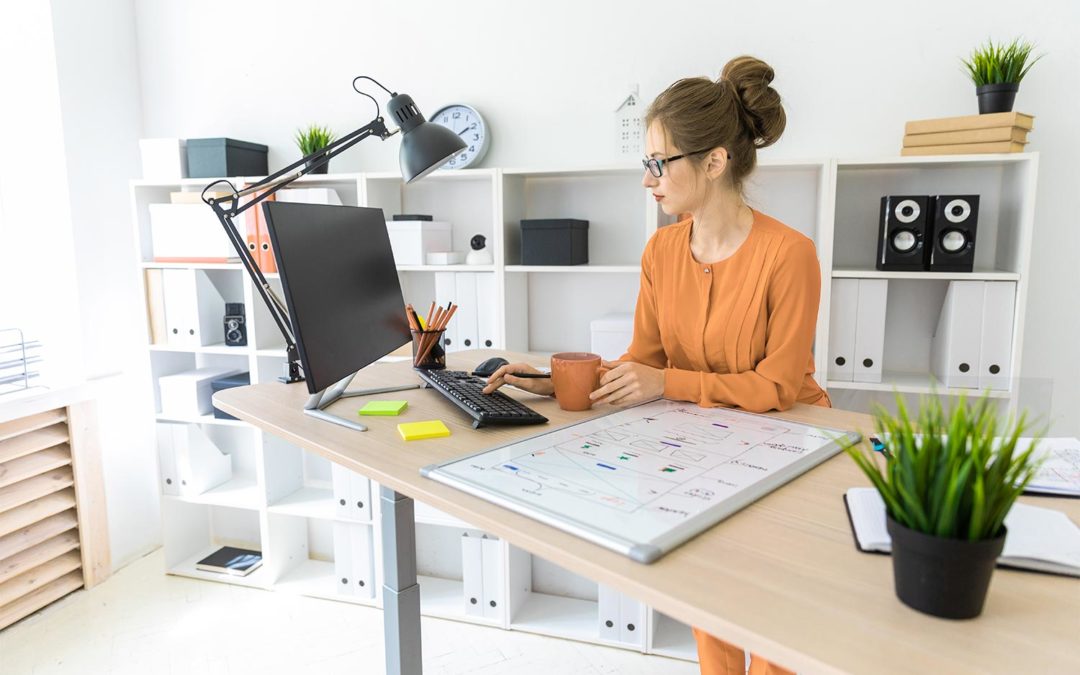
x,y
466,391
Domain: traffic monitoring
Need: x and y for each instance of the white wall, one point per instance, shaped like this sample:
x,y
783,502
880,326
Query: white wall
x,y
548,76
99,99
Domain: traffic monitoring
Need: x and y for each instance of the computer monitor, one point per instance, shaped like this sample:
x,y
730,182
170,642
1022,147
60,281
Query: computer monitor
x,y
341,288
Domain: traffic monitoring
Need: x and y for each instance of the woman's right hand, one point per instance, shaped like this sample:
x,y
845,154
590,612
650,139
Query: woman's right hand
x,y
505,375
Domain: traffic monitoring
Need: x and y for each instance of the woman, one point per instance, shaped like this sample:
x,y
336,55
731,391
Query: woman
x,y
729,297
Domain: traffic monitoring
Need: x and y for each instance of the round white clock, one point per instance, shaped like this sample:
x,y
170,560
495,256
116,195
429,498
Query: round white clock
x,y
467,123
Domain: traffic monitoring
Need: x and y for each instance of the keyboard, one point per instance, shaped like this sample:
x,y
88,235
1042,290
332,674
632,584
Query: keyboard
x,y
466,391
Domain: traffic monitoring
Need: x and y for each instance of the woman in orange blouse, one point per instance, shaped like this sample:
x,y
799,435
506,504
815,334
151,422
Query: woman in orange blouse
x,y
729,297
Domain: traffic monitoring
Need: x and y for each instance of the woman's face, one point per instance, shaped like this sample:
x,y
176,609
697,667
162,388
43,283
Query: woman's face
x,y
680,187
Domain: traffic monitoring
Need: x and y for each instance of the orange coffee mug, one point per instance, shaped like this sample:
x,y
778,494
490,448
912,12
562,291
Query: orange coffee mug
x,y
575,375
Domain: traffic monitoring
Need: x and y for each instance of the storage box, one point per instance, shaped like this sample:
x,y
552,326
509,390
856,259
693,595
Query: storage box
x,y
412,240
560,241
238,380
221,157
188,233
187,395
611,335
163,158
446,258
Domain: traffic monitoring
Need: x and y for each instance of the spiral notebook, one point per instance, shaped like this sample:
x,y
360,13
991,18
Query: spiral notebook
x,y
1043,540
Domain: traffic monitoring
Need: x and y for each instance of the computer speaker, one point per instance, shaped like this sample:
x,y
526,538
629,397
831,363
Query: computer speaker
x,y
955,220
904,231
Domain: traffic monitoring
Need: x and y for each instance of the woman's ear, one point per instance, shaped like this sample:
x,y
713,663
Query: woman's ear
x,y
716,163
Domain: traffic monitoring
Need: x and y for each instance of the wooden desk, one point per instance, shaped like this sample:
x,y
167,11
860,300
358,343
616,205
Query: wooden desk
x,y
781,578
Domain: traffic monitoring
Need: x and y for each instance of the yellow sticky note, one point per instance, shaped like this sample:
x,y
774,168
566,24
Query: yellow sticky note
x,y
416,431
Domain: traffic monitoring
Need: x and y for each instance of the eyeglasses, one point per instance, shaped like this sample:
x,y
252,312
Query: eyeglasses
x,y
656,165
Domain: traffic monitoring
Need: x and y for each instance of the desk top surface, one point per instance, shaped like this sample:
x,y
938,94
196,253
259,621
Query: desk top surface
x,y
781,578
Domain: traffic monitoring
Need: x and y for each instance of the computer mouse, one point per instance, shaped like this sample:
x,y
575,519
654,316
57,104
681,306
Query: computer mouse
x,y
488,367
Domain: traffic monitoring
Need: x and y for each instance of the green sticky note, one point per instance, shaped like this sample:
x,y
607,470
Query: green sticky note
x,y
384,407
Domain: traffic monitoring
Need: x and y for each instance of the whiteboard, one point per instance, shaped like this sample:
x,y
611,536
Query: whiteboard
x,y
643,480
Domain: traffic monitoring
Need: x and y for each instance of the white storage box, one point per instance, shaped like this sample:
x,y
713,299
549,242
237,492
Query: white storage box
x,y
188,233
611,335
446,258
163,158
187,395
412,240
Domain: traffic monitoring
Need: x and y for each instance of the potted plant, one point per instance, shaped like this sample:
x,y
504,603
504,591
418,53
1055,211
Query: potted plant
x,y
313,139
947,481
997,70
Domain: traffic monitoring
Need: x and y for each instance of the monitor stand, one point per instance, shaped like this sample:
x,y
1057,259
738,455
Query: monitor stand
x,y
321,400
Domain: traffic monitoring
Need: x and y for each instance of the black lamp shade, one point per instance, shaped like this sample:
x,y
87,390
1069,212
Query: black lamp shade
x,y
424,146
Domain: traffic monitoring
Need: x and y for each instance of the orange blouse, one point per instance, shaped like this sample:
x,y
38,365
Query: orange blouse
x,y
738,332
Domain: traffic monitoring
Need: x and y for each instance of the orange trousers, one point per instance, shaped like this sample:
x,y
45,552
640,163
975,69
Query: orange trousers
x,y
723,658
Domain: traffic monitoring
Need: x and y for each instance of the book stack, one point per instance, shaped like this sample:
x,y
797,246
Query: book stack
x,y
970,134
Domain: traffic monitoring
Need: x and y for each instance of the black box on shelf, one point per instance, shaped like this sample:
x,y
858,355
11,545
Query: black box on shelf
x,y
225,157
237,380
556,241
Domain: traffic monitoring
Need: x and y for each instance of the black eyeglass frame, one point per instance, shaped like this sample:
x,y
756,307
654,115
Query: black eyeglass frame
x,y
659,162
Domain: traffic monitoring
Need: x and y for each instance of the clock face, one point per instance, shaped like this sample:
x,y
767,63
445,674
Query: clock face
x,y
464,121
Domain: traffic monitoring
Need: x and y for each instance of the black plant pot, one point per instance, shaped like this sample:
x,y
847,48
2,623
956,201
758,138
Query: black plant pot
x,y
939,576
322,169
995,98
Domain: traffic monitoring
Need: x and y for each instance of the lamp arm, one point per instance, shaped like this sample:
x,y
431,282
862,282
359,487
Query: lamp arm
x,y
229,207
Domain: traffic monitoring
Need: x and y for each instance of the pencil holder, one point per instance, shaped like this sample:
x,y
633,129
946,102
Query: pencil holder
x,y
427,349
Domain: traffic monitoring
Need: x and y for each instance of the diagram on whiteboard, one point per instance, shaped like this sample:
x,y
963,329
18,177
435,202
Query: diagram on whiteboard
x,y
642,471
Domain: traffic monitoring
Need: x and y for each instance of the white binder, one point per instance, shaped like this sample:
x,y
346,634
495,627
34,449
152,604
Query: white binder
x,y
493,578
610,613
466,316
843,309
486,322
995,353
352,494
170,478
632,621
870,330
199,463
181,319
343,559
361,566
445,293
472,574
954,355
194,309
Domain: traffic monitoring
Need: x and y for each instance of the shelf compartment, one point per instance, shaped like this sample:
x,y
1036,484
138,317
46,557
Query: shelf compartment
x,y
672,638
550,600
193,531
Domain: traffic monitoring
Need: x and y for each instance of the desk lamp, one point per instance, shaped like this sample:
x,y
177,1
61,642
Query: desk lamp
x,y
424,148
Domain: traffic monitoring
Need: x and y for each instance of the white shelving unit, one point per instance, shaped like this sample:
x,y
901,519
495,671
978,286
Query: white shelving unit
x,y
282,500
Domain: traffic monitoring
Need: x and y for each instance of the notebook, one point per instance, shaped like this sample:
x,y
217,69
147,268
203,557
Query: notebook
x,y
1059,474
384,407
1039,539
238,562
417,431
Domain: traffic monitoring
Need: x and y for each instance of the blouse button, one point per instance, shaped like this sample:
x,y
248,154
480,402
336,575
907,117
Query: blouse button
x,y
707,270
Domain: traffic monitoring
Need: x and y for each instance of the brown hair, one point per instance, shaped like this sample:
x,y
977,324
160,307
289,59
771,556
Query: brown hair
x,y
739,111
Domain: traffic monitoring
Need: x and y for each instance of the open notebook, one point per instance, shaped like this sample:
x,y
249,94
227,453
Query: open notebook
x,y
1039,539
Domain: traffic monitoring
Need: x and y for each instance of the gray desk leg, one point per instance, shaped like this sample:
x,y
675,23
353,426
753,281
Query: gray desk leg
x,y
401,593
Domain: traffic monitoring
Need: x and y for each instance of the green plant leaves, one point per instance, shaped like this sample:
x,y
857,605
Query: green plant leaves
x,y
949,475
313,139
1000,63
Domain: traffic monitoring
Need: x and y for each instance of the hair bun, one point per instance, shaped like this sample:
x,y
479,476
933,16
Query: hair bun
x,y
750,78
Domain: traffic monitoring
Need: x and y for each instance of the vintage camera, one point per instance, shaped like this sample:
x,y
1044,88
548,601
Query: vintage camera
x,y
235,328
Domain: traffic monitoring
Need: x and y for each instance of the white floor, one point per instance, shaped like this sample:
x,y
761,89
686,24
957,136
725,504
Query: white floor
x,y
144,621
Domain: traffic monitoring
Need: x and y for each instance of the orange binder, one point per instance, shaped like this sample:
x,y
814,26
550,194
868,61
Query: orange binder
x,y
251,233
266,250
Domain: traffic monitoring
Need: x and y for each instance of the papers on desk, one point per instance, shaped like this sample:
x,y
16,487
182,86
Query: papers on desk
x,y
1060,472
1039,539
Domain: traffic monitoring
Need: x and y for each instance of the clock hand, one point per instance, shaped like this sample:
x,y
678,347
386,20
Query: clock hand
x,y
468,128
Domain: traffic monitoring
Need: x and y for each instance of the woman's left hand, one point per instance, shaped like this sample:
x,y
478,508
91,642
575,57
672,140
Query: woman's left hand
x,y
629,383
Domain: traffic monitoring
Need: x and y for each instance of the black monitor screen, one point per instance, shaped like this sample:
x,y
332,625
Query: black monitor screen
x,y
341,286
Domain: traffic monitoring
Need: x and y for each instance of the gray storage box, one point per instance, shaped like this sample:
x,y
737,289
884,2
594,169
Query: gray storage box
x,y
558,241
238,380
225,157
